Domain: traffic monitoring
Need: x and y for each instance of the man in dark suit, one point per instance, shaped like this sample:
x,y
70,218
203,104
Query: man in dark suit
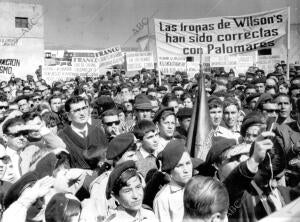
x,y
85,143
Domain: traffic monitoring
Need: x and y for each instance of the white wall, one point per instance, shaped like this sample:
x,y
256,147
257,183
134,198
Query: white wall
x,y
24,44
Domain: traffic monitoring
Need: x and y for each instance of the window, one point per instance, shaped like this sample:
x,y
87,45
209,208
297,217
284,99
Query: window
x,y
21,22
265,52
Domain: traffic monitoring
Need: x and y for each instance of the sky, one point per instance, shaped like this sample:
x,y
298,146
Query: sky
x,y
95,24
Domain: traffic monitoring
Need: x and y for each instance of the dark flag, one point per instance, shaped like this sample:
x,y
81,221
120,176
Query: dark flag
x,y
200,130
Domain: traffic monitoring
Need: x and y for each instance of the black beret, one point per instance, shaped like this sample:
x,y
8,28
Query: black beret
x,y
46,165
116,173
161,88
56,208
119,145
259,80
252,96
159,113
263,98
251,118
19,98
219,145
177,88
172,154
184,113
15,191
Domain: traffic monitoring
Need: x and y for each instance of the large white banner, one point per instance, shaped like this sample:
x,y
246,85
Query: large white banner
x,y
219,35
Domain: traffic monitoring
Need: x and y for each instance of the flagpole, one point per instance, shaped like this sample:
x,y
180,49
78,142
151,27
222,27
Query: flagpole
x,y
200,63
288,44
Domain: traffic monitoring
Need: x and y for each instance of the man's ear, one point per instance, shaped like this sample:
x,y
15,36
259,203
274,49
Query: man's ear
x,y
68,115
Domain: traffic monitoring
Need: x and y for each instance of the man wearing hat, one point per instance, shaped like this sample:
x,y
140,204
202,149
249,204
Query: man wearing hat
x,y
259,84
177,163
126,186
23,103
120,149
251,100
142,107
184,116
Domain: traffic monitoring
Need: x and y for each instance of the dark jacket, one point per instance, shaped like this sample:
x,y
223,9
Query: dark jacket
x,y
86,152
245,204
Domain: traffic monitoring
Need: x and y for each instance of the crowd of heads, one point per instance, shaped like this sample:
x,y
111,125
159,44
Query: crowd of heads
x,y
136,113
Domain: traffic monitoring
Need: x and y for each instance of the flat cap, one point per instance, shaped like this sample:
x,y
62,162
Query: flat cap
x,y
142,102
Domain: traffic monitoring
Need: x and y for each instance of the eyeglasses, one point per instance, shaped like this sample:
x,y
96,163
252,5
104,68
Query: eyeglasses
x,y
84,108
37,99
20,133
5,159
3,107
114,122
271,110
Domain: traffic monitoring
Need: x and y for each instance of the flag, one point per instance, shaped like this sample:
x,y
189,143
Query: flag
x,y
200,130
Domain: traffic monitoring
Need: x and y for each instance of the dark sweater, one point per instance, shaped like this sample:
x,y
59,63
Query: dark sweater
x,y
86,152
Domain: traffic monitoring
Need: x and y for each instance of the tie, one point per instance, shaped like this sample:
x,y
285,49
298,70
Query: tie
x,y
83,133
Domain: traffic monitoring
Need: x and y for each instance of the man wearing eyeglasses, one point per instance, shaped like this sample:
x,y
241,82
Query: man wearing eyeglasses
x,y
15,140
270,109
36,100
85,143
111,124
3,105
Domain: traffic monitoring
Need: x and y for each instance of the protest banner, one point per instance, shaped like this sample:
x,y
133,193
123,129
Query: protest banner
x,y
86,66
219,35
268,62
8,67
171,64
57,73
110,56
137,60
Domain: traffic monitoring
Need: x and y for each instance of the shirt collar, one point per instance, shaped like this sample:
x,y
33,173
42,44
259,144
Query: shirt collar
x,y
145,154
78,131
174,187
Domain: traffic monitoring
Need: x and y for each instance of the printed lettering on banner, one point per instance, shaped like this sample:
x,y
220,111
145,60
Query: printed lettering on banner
x,y
8,67
137,60
110,56
230,35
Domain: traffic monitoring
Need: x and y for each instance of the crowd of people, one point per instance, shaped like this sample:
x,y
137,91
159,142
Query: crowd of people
x,y
113,148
